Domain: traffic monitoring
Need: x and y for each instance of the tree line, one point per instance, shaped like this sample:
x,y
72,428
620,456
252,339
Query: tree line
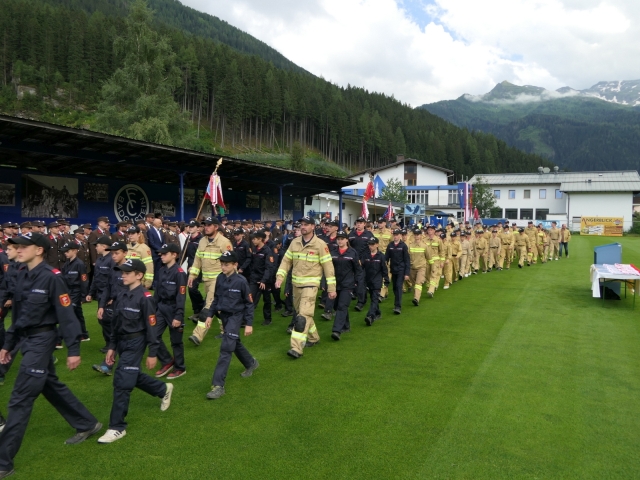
x,y
245,102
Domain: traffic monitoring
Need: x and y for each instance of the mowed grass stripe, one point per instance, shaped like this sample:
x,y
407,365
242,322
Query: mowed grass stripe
x,y
517,374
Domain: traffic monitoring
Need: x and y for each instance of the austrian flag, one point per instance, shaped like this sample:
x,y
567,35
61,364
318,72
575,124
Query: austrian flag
x,y
214,191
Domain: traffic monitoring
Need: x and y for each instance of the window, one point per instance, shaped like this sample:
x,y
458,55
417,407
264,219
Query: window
x,y
411,182
527,194
541,213
526,214
410,168
558,193
511,213
418,196
496,194
543,193
453,197
460,216
512,194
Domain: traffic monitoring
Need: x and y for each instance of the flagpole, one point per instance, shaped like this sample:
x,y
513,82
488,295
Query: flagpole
x,y
204,199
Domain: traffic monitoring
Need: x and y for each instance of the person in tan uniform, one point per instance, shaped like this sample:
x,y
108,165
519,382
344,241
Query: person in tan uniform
x,y
531,232
554,241
419,257
538,249
495,247
506,252
481,252
436,259
447,268
456,250
522,246
565,238
515,233
384,236
141,252
207,260
308,258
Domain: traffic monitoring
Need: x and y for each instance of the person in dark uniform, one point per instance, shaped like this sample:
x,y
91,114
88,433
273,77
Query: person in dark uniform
x,y
232,303
134,329
101,231
9,274
358,239
110,296
40,301
83,248
375,272
197,300
397,255
263,265
101,275
275,292
288,286
75,274
170,295
54,256
347,267
243,252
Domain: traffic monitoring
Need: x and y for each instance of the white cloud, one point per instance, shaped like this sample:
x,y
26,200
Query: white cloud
x,y
468,46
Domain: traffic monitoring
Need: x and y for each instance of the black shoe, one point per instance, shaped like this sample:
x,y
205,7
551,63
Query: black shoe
x,y
289,330
397,311
346,330
359,307
194,318
378,316
219,336
266,322
415,302
6,473
287,313
519,266
311,344
528,264
321,306
335,336
353,296
104,349
368,320
279,309
82,436
293,354
326,316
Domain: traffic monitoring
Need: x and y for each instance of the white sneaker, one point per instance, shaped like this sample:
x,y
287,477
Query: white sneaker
x,y
166,400
446,287
111,436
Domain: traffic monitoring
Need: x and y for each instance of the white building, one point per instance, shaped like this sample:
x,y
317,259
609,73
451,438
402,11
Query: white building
x,y
564,196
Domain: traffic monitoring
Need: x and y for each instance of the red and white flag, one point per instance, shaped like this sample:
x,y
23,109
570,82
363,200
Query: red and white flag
x,y
370,191
214,191
365,210
389,213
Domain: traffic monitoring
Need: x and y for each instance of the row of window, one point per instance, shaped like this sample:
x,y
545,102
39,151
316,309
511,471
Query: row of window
x,y
422,196
527,194
526,213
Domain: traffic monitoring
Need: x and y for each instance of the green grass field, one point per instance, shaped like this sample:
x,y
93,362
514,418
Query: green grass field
x,y
517,374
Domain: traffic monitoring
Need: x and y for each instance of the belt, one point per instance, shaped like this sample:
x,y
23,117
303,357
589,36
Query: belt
x,y
131,336
454,255
494,247
35,330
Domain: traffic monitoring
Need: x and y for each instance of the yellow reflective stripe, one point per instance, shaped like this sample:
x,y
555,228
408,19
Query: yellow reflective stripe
x,y
194,271
289,255
315,280
431,261
210,274
281,273
148,276
419,250
313,329
213,256
325,258
331,280
147,260
418,286
298,336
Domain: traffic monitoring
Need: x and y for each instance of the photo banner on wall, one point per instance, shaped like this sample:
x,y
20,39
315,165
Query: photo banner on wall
x,y
49,197
270,208
96,192
166,208
7,195
253,201
603,226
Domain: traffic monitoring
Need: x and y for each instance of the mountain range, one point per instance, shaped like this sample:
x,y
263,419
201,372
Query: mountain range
x,y
593,129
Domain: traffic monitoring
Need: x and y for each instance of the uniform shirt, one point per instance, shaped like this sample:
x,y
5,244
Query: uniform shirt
x,y
84,254
360,242
41,298
171,289
207,259
113,289
192,247
143,253
93,236
54,257
263,265
9,279
347,267
386,236
75,274
554,234
232,295
101,274
243,251
135,312
308,262
375,270
398,256
4,265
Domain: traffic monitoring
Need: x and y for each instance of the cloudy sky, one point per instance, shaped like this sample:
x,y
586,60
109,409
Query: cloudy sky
x,y
422,51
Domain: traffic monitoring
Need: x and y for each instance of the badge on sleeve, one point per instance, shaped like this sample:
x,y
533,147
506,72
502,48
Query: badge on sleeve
x,y
183,290
228,247
65,301
251,298
6,267
271,259
84,277
152,320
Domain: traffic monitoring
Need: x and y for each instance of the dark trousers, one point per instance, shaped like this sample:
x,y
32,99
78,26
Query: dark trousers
x,y
361,288
105,323
275,293
341,302
398,280
37,375
128,376
230,344
256,293
197,300
76,299
157,265
374,293
164,317
288,292
566,248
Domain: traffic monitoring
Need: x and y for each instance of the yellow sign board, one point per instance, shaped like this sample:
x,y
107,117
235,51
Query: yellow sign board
x,y
604,226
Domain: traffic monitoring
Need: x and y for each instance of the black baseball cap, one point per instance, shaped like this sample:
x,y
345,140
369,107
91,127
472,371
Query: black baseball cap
x,y
118,246
417,231
342,234
211,221
36,239
238,231
443,235
334,224
397,231
69,246
53,225
229,257
307,219
104,240
194,223
169,247
132,265
382,220
361,219
259,234
373,241
133,230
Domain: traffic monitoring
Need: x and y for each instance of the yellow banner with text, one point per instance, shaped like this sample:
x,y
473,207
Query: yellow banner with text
x,y
604,226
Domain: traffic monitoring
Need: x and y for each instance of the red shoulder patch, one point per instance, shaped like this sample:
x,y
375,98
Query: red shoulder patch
x,y
183,290
84,277
152,320
326,249
56,271
251,298
228,247
6,267
148,294
180,270
65,301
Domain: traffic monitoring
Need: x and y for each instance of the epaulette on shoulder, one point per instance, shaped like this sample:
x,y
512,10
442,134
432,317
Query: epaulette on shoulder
x,y
56,271
180,270
148,294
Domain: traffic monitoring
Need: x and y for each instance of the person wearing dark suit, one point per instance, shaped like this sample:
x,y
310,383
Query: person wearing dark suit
x,y
155,238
